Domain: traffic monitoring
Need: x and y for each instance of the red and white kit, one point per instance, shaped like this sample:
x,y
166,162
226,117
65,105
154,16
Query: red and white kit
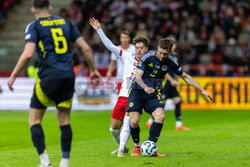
x,y
129,63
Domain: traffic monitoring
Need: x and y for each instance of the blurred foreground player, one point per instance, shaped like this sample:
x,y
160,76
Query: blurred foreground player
x,y
51,37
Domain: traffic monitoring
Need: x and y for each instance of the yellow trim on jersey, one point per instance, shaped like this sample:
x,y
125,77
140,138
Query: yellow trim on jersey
x,y
164,82
45,100
40,44
45,16
66,103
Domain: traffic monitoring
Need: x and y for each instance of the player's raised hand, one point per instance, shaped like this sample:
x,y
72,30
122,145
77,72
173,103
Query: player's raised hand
x,y
149,90
205,93
94,23
11,82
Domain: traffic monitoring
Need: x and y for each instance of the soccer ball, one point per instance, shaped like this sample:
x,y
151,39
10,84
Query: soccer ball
x,y
148,149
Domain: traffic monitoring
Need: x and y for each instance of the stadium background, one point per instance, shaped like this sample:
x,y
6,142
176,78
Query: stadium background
x,y
213,45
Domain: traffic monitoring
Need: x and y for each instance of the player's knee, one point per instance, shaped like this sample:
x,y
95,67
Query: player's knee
x,y
134,123
33,121
159,118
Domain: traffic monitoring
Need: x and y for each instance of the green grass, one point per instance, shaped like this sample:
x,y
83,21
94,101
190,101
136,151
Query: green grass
x,y
216,139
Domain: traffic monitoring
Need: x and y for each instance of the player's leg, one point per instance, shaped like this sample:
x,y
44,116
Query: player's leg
x,y
115,129
38,105
37,134
134,108
63,116
179,126
135,131
117,120
155,130
124,136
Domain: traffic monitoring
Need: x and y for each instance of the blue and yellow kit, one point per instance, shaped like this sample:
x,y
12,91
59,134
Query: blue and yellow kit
x,y
169,91
154,72
55,84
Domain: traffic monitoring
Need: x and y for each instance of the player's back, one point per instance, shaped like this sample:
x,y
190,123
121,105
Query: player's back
x,y
53,35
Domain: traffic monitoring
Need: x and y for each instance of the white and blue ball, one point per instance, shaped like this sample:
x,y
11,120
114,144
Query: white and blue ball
x,y
148,148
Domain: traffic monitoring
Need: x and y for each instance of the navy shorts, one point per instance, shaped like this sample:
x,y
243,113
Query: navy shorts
x,y
138,99
53,93
169,92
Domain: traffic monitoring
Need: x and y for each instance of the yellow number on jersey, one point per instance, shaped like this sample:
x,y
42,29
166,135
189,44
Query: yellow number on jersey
x,y
153,73
57,35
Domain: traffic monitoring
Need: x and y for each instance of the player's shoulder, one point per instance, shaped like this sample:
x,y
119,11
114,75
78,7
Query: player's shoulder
x,y
30,26
148,55
173,58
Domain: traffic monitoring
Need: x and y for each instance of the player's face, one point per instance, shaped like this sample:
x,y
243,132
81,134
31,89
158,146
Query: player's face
x,y
125,39
140,49
162,54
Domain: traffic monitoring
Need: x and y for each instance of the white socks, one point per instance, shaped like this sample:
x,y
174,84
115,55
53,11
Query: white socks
x,y
64,162
178,123
44,159
125,133
116,134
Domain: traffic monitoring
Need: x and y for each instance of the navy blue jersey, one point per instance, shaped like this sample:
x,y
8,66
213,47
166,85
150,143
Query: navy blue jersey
x,y
53,35
154,70
173,56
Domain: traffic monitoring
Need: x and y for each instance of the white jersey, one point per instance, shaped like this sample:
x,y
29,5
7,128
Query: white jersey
x,y
119,62
129,62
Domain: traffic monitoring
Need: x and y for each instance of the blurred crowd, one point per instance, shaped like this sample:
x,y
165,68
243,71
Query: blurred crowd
x,y
213,35
5,7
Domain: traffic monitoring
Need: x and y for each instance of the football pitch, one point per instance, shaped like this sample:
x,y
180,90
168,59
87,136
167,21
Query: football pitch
x,y
216,139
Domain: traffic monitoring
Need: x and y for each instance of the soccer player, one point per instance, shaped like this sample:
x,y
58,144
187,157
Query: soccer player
x,y
130,61
51,37
170,90
116,119
125,46
145,91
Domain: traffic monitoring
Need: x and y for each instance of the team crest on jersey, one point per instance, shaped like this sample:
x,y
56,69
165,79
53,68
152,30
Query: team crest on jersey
x,y
131,104
164,68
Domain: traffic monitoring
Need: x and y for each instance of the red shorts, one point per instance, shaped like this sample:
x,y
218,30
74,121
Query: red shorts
x,y
120,108
118,87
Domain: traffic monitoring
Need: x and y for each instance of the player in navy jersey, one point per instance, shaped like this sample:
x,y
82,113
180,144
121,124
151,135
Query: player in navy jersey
x,y
51,37
170,90
145,91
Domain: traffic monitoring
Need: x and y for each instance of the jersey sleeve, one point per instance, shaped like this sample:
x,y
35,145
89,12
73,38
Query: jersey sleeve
x,y
142,64
113,57
108,44
176,67
31,33
74,33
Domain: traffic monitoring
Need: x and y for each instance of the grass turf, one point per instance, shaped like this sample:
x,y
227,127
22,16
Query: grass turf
x,y
217,138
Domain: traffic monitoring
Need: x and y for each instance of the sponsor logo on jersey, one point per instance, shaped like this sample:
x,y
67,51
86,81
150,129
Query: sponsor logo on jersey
x,y
150,65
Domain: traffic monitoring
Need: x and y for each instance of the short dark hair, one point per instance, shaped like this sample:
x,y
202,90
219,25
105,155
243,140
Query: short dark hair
x,y
166,43
125,32
172,39
41,4
142,39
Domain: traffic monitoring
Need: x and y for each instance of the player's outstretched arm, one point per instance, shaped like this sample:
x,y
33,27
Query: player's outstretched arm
x,y
105,40
22,62
88,54
172,81
188,79
139,81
